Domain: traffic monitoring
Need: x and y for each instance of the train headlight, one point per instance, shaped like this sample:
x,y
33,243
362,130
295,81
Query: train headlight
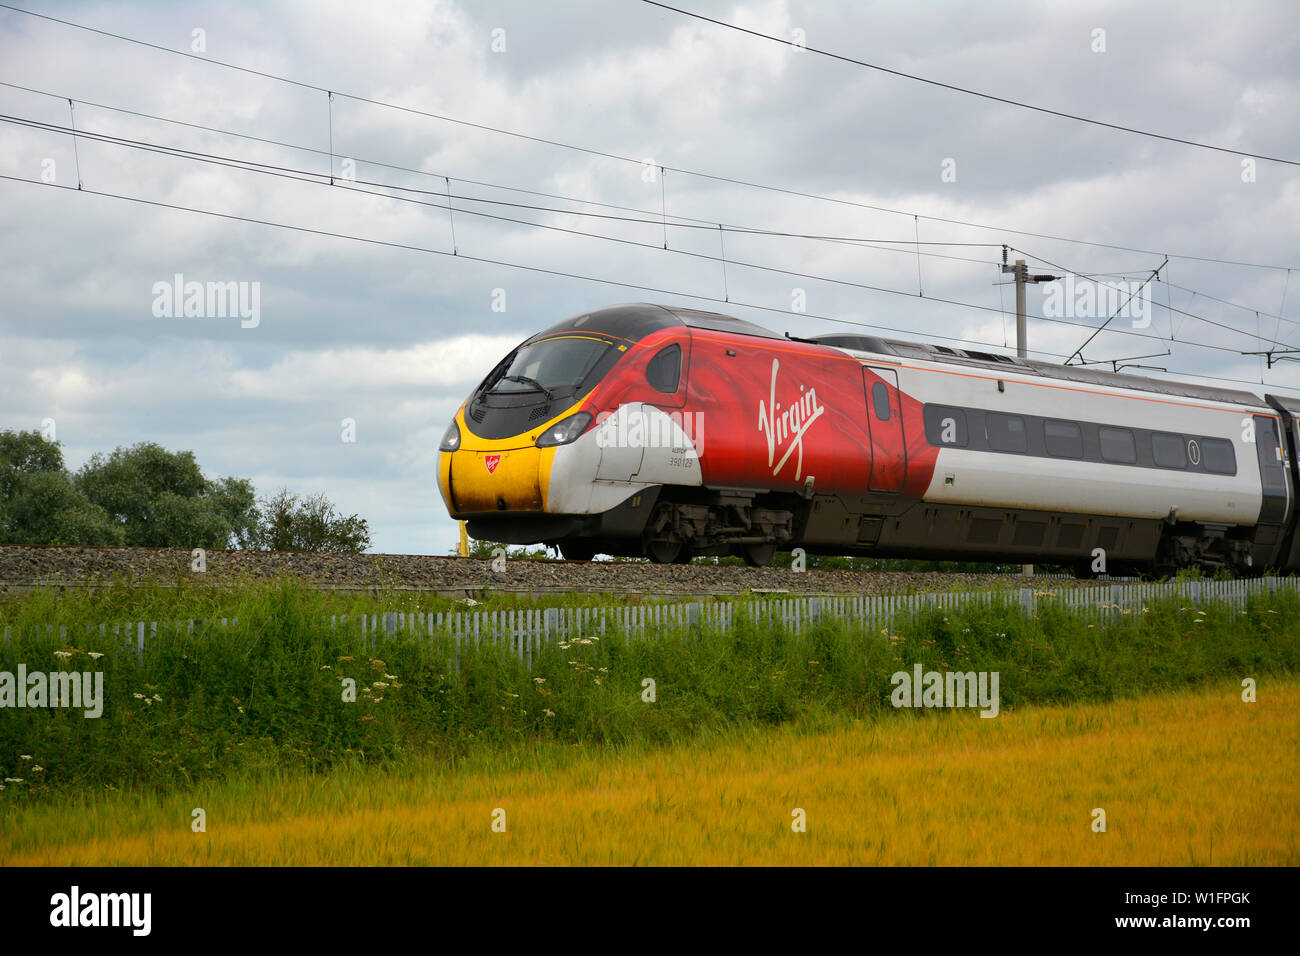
x,y
563,432
451,438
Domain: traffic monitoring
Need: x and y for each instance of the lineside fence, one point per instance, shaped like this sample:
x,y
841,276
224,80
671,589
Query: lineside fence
x,y
526,631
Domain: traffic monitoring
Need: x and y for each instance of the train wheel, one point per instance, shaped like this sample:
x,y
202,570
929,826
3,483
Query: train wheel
x,y
665,552
577,551
684,556
758,555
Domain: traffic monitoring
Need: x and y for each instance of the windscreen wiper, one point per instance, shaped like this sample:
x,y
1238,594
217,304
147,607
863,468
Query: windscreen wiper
x,y
525,380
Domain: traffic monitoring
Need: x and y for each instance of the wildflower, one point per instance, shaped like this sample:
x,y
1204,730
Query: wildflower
x,y
380,684
96,655
326,667
596,679
13,779
549,713
539,680
38,769
24,756
138,696
240,709
62,653
148,701
157,698
390,677
378,699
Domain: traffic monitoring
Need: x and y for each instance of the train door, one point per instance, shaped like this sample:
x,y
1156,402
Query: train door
x,y
885,421
1276,507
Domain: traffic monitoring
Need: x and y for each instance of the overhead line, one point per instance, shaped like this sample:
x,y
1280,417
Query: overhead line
x,y
559,273
969,92
318,178
608,155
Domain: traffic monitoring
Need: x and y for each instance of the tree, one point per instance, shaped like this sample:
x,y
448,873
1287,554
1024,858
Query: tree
x,y
39,503
160,499
293,523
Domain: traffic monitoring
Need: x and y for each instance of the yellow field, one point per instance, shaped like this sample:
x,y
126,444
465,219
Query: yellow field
x,y
1184,779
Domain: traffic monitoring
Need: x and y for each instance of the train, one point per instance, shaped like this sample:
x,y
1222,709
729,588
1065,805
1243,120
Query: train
x,y
662,432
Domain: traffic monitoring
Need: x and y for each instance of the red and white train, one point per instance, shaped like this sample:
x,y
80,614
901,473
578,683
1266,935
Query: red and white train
x,y
667,432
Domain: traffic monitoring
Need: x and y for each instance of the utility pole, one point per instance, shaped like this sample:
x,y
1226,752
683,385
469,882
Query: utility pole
x,y
1022,278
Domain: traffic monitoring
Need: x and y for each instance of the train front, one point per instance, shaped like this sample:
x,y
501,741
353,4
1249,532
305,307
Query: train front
x,y
521,459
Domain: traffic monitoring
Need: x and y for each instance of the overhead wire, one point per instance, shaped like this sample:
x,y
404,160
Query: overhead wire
x,y
605,153
965,90
320,178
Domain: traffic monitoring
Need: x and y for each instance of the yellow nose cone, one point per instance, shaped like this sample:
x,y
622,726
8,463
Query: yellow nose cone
x,y
500,480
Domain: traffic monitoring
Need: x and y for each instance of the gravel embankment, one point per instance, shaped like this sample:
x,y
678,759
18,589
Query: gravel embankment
x,y
23,568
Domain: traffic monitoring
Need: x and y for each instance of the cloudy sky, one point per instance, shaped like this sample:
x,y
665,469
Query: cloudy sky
x,y
393,332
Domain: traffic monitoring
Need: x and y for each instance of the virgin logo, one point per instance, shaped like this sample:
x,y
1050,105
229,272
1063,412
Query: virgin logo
x,y
785,427
490,462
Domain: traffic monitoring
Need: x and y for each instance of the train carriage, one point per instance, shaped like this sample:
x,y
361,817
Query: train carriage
x,y
667,432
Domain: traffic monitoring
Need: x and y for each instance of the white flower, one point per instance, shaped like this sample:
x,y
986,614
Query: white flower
x,y
24,756
157,698
63,653
391,676
38,769
96,655
13,779
138,696
539,680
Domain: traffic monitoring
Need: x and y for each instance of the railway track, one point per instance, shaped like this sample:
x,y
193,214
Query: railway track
x,y
24,568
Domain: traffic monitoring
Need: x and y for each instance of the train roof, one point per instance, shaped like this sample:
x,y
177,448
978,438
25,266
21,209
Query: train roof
x,y
1026,366
634,321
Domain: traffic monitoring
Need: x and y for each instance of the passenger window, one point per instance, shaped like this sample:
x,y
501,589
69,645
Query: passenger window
x,y
1006,432
1063,439
1118,446
1219,456
664,372
880,398
945,425
1169,451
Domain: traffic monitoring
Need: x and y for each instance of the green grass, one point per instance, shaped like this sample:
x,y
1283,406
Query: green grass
x,y
265,695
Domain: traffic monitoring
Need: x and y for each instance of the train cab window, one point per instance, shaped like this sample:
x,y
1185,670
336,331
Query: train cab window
x,y
1218,456
664,373
1063,439
880,399
1168,451
1006,432
945,425
1118,446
